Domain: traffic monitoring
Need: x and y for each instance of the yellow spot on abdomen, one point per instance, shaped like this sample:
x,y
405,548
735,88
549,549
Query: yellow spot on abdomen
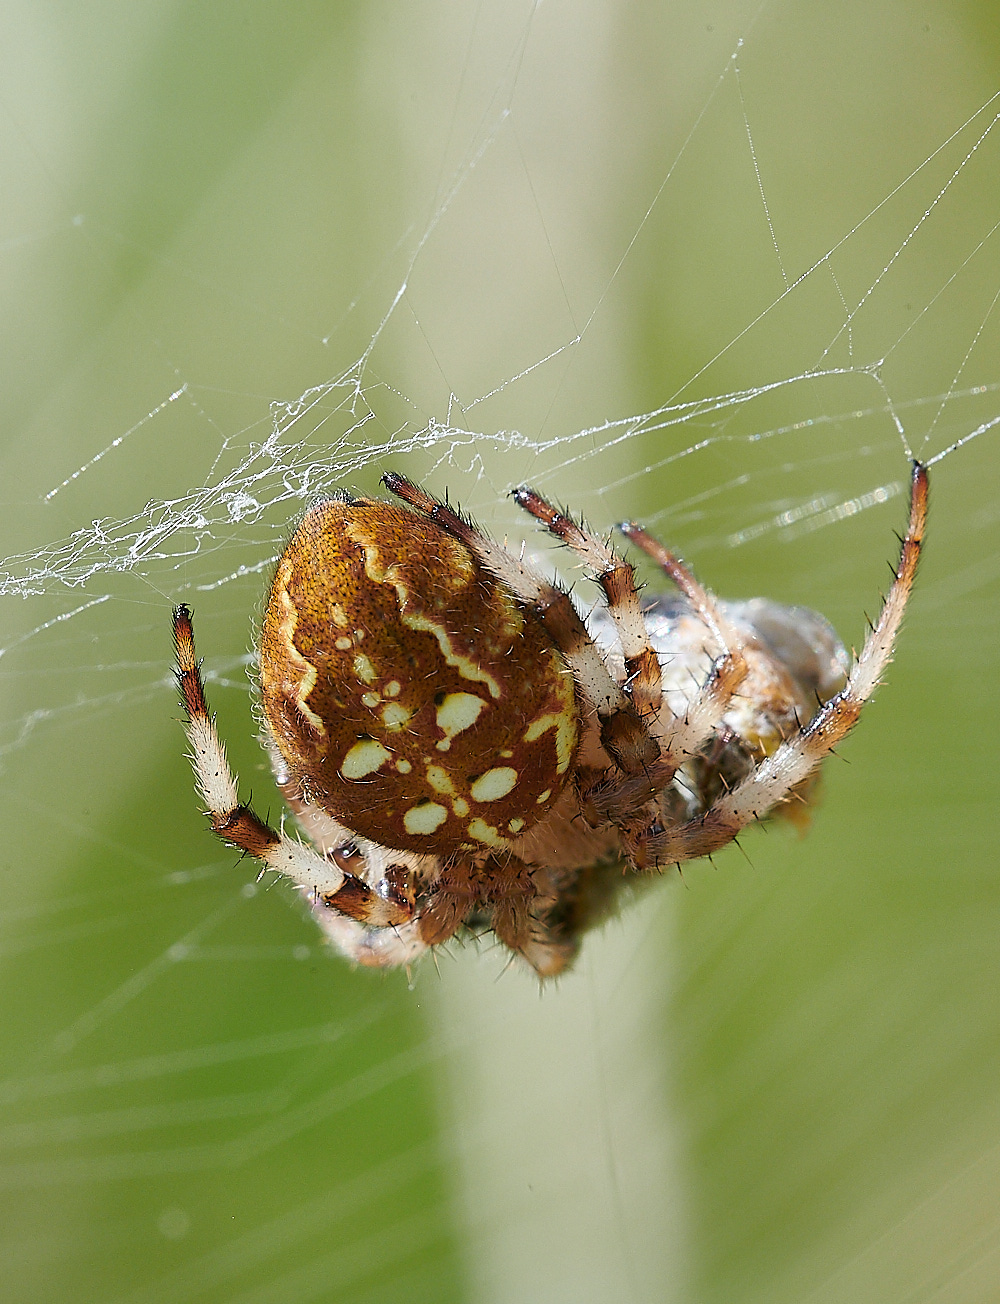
x,y
305,669
458,712
424,819
494,784
364,669
395,715
364,758
565,726
440,780
465,666
485,833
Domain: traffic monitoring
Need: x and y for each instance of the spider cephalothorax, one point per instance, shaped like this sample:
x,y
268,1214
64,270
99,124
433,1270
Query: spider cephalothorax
x,y
462,748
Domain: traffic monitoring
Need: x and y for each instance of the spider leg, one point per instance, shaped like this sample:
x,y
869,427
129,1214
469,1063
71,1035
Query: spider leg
x,y
238,825
681,736
617,580
684,735
795,759
623,800
502,886
623,734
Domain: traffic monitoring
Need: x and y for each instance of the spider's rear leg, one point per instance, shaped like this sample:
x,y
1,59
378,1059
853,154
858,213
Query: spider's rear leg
x,y
241,827
795,759
623,734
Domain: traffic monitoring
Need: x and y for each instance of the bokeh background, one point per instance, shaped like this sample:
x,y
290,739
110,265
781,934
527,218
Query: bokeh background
x,y
718,267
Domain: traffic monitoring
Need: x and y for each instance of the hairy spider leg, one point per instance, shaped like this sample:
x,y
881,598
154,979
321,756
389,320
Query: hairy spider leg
x,y
679,737
684,735
617,580
239,826
795,759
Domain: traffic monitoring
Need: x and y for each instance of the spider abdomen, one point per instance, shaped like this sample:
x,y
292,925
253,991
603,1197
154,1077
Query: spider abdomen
x,y
409,693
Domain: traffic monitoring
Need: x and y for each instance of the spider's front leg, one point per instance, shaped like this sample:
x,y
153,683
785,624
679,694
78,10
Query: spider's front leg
x,y
241,827
629,800
679,737
774,778
617,580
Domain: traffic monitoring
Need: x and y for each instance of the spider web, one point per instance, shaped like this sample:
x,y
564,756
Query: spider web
x,y
722,276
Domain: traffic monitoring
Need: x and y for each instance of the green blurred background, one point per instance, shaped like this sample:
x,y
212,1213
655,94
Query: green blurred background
x,y
774,1080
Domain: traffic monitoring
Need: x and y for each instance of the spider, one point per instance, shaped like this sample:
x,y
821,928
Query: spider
x,y
463,749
